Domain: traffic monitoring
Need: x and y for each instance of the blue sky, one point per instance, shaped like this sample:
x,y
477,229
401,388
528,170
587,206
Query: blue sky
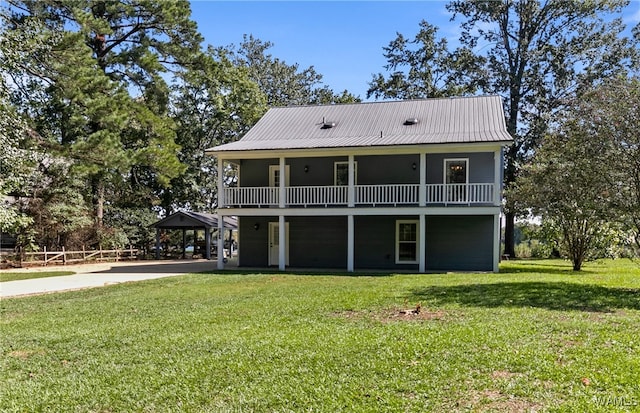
x,y
343,40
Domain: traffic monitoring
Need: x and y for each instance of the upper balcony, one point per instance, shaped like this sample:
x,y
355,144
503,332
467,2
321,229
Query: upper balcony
x,y
365,181
396,195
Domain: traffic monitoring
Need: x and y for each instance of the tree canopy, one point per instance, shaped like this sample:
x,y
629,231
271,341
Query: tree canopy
x,y
16,164
562,187
537,54
108,108
611,117
213,103
281,83
89,77
585,177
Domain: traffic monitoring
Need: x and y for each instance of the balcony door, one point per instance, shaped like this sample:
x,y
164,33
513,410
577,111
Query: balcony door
x,y
274,175
274,243
456,178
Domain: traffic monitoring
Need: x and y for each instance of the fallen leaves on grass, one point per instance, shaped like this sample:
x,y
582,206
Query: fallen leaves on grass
x,y
490,400
24,354
503,374
395,314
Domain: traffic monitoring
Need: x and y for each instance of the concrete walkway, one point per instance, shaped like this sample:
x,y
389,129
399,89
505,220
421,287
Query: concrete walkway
x,y
99,275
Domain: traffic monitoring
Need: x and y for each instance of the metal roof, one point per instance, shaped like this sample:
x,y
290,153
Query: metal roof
x,y
447,120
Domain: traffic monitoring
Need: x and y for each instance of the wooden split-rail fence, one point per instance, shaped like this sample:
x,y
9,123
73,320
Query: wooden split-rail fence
x,y
65,257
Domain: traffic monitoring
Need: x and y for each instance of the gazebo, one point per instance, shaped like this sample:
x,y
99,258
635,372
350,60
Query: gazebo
x,y
195,221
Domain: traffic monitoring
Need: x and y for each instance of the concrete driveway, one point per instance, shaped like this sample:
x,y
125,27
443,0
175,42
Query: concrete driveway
x,y
99,275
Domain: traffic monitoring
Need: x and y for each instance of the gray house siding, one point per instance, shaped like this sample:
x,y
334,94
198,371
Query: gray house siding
x,y
314,242
318,242
319,170
460,243
453,243
391,169
255,172
371,170
254,242
375,243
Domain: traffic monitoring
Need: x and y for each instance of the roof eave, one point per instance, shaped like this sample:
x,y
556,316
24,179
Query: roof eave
x,y
320,151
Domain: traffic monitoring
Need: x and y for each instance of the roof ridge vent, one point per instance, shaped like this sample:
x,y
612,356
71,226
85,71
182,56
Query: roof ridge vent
x,y
326,124
411,121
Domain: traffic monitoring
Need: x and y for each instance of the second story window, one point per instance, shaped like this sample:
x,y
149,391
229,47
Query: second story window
x,y
456,171
456,175
341,173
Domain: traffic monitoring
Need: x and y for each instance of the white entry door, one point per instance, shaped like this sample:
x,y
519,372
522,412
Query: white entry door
x,y
274,243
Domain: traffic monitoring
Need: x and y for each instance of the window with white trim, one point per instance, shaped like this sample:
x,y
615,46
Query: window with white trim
x,y
456,177
341,173
456,171
407,242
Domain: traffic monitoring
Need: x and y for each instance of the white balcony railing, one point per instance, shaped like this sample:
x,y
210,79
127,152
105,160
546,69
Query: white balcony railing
x,y
396,194
373,195
460,193
251,196
317,195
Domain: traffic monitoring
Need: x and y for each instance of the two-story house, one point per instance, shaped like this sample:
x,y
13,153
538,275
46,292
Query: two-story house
x,y
409,185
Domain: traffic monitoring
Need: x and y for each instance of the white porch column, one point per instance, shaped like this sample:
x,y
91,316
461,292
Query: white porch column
x,y
497,175
157,243
352,182
221,203
422,243
350,243
422,191
282,182
221,200
207,243
496,242
497,201
282,244
220,241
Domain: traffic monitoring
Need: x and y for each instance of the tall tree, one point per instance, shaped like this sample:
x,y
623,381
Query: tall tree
x,y
608,119
536,54
425,67
562,187
283,84
214,103
16,163
542,53
94,84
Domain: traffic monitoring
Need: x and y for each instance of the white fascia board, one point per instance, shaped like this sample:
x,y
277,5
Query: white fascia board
x,y
369,150
342,211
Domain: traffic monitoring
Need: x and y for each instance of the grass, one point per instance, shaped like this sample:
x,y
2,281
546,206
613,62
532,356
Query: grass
x,y
536,337
15,276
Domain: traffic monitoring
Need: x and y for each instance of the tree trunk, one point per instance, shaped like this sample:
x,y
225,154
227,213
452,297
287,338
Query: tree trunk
x,y
577,263
98,200
509,234
100,205
510,216
510,172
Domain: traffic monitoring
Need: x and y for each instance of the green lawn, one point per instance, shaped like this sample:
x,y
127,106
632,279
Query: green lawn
x,y
14,276
536,337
